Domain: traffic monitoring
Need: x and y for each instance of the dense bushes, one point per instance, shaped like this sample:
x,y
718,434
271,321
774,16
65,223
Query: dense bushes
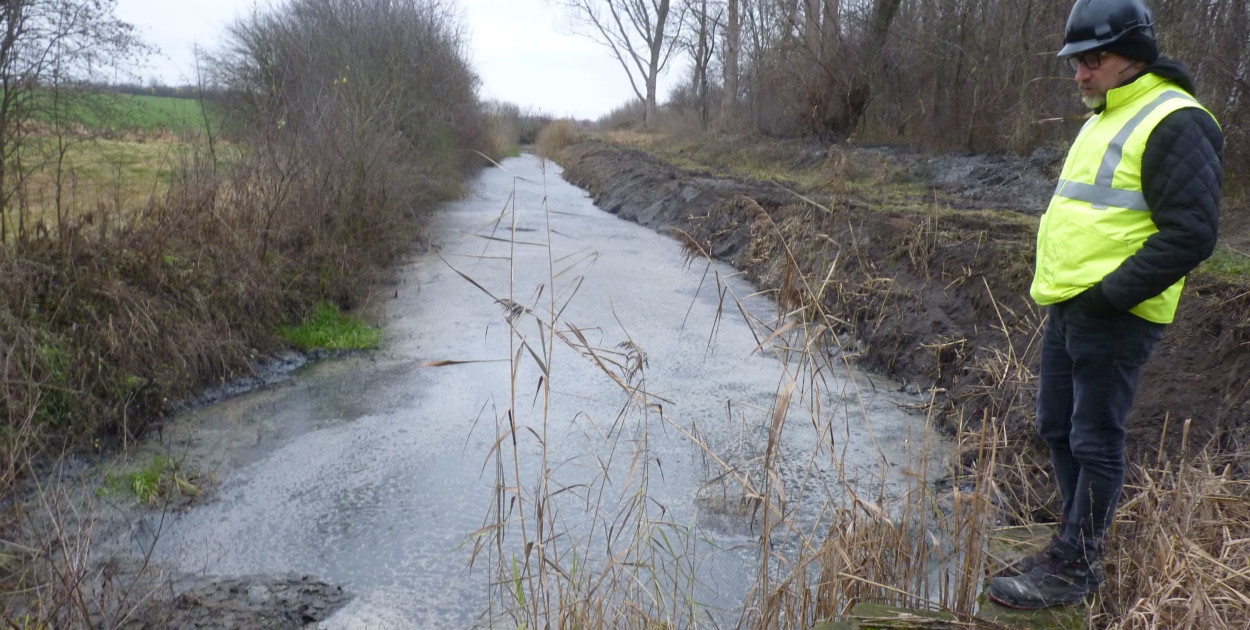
x,y
359,88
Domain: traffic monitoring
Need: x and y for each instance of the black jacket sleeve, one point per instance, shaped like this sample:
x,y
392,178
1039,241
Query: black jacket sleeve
x,y
1182,173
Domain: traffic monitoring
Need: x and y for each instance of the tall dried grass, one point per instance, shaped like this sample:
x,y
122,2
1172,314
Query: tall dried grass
x,y
546,571
1179,559
555,137
1181,550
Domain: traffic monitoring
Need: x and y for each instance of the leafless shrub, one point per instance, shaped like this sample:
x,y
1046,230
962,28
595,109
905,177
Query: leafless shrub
x,y
360,89
50,570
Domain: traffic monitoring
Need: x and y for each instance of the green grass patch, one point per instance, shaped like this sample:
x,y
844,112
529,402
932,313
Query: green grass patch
x,y
161,479
329,329
154,113
1228,263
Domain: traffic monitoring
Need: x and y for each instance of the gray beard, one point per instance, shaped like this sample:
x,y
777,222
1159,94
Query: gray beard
x,y
1094,102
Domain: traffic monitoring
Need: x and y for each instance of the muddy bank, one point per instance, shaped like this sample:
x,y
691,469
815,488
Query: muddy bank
x,y
88,555
935,294
271,602
85,542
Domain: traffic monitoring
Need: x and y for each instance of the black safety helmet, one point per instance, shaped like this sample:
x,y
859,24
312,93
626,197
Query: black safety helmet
x,y
1096,24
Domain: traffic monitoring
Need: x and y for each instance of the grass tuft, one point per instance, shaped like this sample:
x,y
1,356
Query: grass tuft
x,y
329,329
1227,263
161,479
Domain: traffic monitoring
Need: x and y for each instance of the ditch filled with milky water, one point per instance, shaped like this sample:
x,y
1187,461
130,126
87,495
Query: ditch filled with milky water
x,y
644,388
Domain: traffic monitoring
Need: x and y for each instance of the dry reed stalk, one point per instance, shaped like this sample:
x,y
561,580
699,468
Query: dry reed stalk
x,y
913,551
866,554
53,579
553,573
922,241
1180,556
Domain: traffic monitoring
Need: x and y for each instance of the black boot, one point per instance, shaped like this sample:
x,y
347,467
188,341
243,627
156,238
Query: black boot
x,y
1061,576
1028,563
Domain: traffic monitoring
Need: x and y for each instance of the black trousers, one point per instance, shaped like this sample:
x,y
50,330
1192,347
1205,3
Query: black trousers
x,y
1089,372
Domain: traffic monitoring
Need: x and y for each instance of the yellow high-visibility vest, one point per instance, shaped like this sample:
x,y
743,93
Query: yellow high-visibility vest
x,y
1098,216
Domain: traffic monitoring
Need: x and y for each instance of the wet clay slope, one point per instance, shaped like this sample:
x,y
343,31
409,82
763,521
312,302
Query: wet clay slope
x,y
936,295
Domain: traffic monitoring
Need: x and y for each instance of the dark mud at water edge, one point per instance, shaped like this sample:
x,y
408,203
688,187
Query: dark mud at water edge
x,y
130,591
294,601
933,286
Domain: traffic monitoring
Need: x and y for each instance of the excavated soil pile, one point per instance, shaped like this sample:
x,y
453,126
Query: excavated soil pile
x,y
935,295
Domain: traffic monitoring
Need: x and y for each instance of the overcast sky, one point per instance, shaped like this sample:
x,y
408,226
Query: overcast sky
x,y
521,49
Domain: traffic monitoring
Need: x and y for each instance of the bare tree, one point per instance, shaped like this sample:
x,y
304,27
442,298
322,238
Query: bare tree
x,y
814,64
733,45
703,19
47,47
642,35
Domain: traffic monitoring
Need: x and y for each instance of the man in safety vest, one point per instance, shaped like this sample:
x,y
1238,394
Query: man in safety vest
x,y
1136,209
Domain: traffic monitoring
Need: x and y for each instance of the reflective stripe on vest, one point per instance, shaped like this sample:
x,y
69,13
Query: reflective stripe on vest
x,y
1101,194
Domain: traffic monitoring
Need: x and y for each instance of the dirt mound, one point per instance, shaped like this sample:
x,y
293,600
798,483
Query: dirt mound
x,y
987,181
937,296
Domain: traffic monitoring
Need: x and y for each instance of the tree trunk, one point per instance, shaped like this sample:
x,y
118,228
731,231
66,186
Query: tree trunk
x,y
733,44
653,67
812,36
833,23
859,92
700,64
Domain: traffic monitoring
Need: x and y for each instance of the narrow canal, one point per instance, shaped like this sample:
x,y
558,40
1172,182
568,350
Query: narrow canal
x,y
644,391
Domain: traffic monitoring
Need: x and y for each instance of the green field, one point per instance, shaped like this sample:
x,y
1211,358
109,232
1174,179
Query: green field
x,y
122,113
151,113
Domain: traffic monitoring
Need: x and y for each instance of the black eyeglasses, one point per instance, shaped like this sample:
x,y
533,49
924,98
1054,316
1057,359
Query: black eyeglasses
x,y
1090,60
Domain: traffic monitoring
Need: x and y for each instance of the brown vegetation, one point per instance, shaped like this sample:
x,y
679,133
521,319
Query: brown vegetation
x,y
556,137
961,75
931,288
346,119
